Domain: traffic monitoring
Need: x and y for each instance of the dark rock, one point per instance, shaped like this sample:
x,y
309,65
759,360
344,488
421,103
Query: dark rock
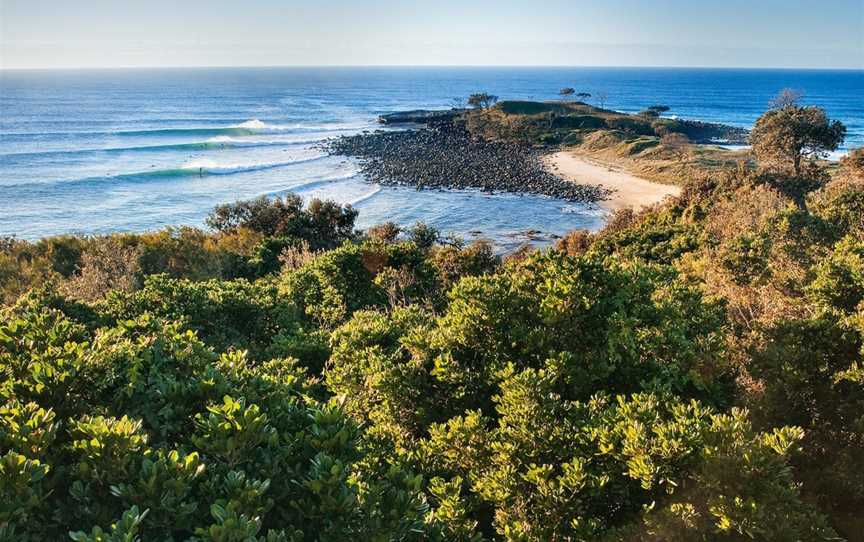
x,y
419,116
446,156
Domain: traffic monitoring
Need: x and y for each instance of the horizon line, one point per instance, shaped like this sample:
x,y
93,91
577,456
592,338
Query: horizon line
x,y
465,66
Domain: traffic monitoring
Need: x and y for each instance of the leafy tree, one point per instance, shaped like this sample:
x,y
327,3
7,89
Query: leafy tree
x,y
567,92
784,137
482,100
583,96
323,224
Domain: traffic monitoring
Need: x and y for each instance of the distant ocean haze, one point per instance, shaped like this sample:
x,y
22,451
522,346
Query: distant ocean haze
x,y
100,151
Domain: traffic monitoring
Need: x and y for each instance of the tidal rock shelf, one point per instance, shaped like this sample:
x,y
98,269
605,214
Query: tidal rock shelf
x,y
445,156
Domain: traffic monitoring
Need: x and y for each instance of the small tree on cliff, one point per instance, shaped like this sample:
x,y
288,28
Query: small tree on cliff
x,y
784,137
583,96
567,92
482,99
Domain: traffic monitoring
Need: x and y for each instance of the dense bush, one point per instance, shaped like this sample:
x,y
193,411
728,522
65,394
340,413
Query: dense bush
x,y
143,421
323,224
693,371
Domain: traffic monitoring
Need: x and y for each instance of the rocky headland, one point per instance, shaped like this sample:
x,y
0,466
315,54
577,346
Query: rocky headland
x,y
443,155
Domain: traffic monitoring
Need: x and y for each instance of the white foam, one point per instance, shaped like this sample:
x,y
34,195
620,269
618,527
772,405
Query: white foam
x,y
366,196
253,124
210,167
235,142
265,128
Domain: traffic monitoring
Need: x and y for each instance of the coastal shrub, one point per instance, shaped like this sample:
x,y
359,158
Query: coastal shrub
x,y
841,205
807,375
663,127
630,125
579,122
143,427
519,432
693,371
784,138
185,252
482,100
520,317
225,314
839,281
653,242
107,265
575,243
678,144
451,263
323,224
387,232
853,163
423,235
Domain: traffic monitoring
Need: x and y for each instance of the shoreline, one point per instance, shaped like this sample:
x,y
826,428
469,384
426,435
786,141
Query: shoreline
x,y
625,188
447,156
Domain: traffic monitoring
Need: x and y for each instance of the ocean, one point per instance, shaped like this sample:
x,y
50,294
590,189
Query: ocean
x,y
97,151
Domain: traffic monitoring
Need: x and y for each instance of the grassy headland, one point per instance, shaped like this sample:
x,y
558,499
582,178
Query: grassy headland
x,y
660,149
499,147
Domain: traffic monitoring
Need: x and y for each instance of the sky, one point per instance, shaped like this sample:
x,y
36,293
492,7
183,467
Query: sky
x,y
169,33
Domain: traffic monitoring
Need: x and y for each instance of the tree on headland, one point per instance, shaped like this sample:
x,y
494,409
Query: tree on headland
x,y
567,92
784,137
482,100
457,102
785,98
583,96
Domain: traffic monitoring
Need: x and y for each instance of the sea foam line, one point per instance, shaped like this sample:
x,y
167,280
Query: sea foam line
x,y
193,169
250,127
215,143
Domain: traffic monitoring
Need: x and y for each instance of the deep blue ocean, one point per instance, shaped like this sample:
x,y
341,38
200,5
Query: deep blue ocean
x,y
110,150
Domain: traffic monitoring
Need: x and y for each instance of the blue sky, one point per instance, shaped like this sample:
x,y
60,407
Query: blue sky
x,y
742,33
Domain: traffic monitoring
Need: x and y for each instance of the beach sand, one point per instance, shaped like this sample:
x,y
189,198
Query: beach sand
x,y
629,190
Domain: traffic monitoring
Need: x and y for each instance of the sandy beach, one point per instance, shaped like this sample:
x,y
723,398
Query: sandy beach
x,y
629,190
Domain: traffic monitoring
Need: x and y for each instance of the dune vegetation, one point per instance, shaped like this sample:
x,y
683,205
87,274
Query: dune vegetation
x,y
663,149
693,371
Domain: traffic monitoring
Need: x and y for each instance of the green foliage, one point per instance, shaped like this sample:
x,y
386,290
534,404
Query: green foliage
x,y
783,138
125,530
384,389
224,314
143,416
482,99
653,241
323,224
839,279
